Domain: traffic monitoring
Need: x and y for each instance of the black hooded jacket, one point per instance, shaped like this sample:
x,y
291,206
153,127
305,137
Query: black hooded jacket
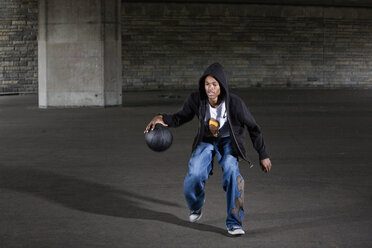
x,y
238,115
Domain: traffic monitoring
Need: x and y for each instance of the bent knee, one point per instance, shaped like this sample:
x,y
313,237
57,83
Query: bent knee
x,y
230,164
195,176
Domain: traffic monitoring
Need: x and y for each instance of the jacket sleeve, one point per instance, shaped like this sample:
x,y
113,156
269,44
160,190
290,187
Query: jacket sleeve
x,y
185,114
254,131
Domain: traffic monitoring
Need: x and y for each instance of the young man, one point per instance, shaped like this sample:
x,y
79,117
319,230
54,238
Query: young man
x,y
223,117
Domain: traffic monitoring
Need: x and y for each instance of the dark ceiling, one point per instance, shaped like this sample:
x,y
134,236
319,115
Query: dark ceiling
x,y
327,3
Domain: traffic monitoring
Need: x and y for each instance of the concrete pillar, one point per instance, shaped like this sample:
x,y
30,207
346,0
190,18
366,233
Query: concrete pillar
x,y
79,49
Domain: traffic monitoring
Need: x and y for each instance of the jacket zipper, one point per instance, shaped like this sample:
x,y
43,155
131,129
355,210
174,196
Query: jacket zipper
x,y
233,135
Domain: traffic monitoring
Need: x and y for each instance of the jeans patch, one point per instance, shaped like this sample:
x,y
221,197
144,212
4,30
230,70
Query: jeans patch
x,y
239,201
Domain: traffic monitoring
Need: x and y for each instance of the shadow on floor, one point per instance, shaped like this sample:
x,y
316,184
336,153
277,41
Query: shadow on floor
x,y
91,197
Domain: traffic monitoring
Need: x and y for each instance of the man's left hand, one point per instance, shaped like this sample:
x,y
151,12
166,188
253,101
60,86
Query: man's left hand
x,y
265,165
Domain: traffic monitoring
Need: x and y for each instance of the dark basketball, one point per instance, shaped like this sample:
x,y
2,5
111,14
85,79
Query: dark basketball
x,y
159,139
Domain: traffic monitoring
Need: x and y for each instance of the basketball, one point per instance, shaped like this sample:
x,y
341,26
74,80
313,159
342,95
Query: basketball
x,y
159,139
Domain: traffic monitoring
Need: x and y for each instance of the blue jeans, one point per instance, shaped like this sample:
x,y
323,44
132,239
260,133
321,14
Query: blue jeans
x,y
200,166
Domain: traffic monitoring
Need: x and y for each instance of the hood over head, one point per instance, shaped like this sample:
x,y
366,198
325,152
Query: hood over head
x,y
215,70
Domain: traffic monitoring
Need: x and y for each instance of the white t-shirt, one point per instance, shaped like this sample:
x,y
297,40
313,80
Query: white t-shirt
x,y
220,115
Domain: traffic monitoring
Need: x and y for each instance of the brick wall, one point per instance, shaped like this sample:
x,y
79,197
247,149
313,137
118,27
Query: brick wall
x,y
18,46
169,45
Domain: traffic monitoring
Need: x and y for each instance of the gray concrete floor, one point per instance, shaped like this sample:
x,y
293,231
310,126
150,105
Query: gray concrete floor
x,y
85,178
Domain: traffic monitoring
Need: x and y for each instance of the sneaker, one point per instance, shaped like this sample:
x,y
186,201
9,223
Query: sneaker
x,y
236,231
195,215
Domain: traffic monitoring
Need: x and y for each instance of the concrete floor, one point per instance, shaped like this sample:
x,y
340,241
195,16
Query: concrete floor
x,y
85,178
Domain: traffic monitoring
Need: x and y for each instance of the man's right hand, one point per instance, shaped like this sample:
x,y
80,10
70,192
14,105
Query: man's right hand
x,y
157,119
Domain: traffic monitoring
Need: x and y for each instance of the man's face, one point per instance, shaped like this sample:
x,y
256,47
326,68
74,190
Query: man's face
x,y
212,88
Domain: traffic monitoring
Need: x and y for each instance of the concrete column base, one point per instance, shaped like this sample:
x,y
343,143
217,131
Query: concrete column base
x,y
79,49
